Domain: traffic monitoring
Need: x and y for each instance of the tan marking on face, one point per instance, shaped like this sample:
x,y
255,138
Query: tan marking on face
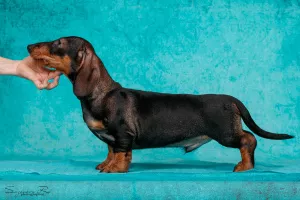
x,y
62,64
41,51
65,64
94,124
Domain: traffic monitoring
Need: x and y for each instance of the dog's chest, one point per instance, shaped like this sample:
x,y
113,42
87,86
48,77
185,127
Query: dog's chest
x,y
95,121
95,124
100,131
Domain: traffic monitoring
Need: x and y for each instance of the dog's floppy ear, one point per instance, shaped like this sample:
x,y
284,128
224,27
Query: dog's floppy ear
x,y
86,75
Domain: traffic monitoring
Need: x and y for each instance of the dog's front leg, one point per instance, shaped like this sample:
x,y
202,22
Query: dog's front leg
x,y
109,158
122,152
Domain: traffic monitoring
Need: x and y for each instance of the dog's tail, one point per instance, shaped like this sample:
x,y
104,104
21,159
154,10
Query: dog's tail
x,y
254,127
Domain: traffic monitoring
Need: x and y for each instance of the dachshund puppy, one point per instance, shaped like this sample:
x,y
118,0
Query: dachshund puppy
x,y
129,119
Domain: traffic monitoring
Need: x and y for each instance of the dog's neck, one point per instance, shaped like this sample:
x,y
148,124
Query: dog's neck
x,y
102,83
106,83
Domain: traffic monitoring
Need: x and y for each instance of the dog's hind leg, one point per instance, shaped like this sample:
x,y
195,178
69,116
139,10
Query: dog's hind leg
x,y
235,137
247,148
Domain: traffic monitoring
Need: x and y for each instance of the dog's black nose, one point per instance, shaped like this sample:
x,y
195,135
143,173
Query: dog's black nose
x,y
30,47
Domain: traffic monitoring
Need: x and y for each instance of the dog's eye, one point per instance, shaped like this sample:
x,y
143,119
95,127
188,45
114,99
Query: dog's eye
x,y
59,44
56,44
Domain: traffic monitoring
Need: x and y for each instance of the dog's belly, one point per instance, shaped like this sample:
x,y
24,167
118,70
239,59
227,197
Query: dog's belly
x,y
192,143
189,144
199,140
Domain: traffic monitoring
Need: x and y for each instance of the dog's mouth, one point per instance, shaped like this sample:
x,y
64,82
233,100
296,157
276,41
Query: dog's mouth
x,y
41,51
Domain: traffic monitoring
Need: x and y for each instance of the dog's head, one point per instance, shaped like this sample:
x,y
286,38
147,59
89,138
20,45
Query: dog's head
x,y
74,56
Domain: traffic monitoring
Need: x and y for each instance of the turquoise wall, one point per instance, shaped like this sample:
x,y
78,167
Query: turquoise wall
x,y
248,50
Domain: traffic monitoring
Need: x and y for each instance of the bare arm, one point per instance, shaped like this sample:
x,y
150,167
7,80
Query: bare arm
x,y
30,69
8,66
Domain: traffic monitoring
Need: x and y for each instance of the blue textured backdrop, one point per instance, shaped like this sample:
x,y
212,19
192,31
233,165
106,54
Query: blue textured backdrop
x,y
248,50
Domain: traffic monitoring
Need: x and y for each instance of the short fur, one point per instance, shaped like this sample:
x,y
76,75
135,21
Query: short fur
x,y
129,119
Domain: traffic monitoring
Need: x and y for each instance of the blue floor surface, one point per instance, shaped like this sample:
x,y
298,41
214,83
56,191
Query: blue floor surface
x,y
174,179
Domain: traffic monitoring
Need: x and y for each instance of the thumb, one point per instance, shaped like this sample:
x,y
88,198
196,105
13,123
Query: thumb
x,y
40,84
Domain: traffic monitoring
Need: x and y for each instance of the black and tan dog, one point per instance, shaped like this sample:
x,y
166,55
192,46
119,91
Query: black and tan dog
x,y
129,119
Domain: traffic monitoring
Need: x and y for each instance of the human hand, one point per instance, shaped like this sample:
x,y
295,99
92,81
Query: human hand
x,y
35,71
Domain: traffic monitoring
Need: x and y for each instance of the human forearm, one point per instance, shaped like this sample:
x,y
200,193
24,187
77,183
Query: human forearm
x,y
8,67
30,69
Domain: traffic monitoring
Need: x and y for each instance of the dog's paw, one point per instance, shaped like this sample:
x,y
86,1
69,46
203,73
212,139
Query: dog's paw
x,y
113,168
119,164
242,167
102,165
116,166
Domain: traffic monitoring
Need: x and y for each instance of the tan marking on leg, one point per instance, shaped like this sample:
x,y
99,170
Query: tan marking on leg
x,y
120,163
248,145
109,158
